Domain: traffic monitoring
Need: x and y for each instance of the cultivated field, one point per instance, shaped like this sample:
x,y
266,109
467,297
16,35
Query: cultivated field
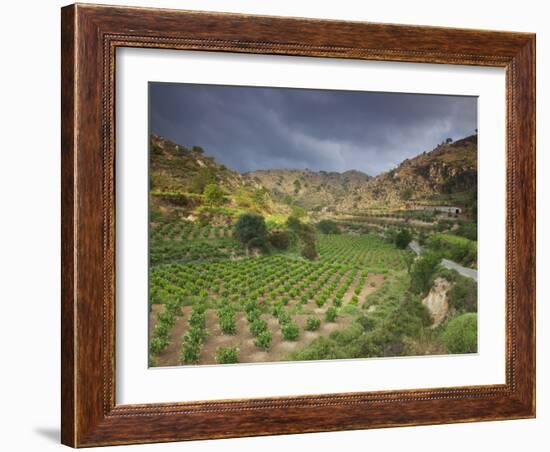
x,y
205,294
281,265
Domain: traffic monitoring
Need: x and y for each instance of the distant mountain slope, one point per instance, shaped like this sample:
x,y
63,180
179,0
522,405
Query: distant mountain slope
x,y
446,170
310,189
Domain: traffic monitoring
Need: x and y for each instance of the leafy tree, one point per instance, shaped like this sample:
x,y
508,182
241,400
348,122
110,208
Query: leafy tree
x,y
309,251
251,231
305,233
422,272
198,149
280,239
328,227
403,238
213,194
294,224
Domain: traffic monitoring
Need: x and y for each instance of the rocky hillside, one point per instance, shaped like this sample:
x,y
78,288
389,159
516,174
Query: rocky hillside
x,y
179,176
310,189
174,168
448,169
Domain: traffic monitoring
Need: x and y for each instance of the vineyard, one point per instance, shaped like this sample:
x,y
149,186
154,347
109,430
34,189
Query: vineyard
x,y
280,265
210,303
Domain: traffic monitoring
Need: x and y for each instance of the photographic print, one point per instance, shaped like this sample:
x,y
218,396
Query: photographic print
x,y
290,224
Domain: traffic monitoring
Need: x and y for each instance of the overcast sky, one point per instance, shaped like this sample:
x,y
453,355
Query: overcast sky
x,y
249,128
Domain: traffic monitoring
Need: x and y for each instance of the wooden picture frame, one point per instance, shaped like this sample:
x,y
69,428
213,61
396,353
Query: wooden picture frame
x,y
90,36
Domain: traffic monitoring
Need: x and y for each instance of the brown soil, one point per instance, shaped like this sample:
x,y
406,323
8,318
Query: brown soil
x,y
170,355
280,349
367,288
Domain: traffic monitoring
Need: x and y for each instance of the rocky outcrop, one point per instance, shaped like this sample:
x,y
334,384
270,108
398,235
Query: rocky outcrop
x,y
437,302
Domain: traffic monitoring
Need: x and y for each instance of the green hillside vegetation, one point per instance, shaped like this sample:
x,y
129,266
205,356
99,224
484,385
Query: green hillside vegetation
x,y
453,247
303,265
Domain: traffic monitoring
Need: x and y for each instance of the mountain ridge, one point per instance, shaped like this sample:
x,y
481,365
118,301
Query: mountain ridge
x,y
448,169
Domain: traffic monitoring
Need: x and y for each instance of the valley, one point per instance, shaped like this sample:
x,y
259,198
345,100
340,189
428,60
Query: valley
x,y
296,264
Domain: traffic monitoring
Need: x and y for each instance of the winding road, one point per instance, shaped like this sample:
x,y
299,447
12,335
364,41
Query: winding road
x,y
451,265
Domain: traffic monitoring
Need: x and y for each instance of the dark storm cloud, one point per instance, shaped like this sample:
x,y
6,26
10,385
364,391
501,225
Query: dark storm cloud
x,y
250,128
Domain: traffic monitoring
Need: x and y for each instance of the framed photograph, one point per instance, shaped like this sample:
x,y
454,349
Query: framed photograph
x,y
281,225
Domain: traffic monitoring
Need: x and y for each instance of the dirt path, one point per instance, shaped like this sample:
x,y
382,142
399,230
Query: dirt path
x,y
369,288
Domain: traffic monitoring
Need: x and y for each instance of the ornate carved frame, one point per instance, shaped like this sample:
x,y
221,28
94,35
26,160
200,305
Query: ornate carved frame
x,y
90,36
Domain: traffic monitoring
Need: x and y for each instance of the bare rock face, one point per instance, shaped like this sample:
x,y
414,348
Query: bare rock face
x,y
436,301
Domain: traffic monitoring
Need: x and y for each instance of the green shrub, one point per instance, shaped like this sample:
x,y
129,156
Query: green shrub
x,y
422,272
226,319
312,323
213,194
252,315
403,238
280,239
337,302
263,340
190,353
227,355
191,346
309,251
283,317
290,331
320,301
463,295
467,230
158,344
161,329
328,227
257,327
460,334
454,247
331,314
